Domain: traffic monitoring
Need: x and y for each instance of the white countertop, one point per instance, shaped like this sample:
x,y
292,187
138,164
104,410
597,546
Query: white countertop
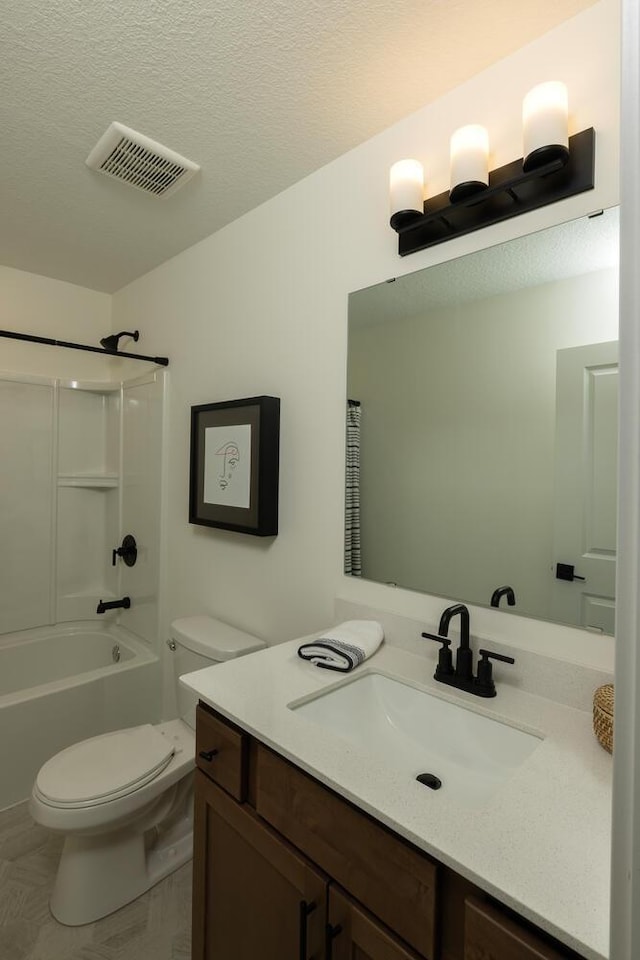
x,y
541,844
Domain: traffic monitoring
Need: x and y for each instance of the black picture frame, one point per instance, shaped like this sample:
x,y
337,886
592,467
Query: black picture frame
x,y
234,465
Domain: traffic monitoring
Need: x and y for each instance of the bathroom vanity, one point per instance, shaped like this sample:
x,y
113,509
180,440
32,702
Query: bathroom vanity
x,y
307,846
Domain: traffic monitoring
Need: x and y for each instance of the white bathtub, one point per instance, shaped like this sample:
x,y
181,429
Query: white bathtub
x,y
65,683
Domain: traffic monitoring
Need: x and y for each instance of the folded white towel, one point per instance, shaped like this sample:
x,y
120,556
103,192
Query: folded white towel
x,y
344,647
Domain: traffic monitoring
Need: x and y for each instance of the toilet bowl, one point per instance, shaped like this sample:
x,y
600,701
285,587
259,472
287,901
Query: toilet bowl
x,y
124,799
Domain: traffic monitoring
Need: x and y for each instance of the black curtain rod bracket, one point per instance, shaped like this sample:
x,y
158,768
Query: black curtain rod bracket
x,y
30,338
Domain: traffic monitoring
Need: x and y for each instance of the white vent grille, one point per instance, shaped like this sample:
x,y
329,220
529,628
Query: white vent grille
x,y
129,156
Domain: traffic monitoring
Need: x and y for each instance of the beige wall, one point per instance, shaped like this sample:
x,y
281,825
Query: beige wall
x,y
61,311
261,307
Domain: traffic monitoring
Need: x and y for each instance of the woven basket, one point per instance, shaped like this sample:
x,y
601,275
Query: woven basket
x,y
603,702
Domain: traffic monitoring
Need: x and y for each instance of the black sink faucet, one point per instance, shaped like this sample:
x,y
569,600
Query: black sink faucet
x,y
464,655
105,605
462,676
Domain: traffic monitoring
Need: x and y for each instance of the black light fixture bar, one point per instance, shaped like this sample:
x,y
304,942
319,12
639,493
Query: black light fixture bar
x,y
511,192
161,361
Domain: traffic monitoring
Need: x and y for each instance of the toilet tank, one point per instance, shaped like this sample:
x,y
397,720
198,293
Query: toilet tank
x,y
199,642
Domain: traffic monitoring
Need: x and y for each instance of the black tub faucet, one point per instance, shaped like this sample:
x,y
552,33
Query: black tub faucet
x,y
462,676
105,605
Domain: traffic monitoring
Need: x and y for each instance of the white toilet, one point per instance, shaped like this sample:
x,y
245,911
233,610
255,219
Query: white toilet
x,y
125,799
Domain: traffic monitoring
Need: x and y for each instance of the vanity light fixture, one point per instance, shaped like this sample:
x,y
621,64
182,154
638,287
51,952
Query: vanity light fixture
x,y
545,125
469,162
554,166
406,192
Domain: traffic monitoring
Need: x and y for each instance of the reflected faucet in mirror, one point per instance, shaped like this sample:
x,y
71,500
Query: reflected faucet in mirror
x,y
501,592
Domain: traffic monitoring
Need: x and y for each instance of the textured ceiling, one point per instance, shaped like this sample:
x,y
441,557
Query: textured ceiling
x,y
259,92
569,249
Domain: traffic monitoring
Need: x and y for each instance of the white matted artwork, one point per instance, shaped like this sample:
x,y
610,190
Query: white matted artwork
x,y
234,465
227,465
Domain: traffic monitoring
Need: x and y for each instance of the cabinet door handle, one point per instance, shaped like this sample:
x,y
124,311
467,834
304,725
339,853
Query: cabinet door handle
x,y
305,910
207,755
330,934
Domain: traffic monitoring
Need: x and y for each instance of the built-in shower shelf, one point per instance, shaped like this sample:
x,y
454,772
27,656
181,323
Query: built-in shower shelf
x,y
99,481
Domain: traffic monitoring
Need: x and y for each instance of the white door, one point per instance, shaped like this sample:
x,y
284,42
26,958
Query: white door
x,y
585,487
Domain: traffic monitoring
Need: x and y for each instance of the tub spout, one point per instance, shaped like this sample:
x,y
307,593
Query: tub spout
x,y
105,605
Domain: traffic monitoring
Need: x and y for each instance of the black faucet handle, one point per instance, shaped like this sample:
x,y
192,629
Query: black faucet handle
x,y
445,661
445,641
128,550
486,654
484,684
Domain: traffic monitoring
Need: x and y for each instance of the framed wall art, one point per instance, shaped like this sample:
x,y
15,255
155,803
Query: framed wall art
x,y
235,449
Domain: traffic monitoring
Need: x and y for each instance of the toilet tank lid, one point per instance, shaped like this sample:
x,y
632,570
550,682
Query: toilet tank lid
x,y
213,639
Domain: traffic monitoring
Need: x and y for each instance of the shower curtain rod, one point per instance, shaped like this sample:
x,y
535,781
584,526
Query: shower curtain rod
x,y
162,361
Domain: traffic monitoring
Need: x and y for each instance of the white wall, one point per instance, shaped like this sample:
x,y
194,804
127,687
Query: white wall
x,y
61,311
458,437
625,889
261,307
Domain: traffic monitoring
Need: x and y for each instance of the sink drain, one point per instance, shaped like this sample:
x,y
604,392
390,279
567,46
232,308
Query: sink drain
x,y
430,780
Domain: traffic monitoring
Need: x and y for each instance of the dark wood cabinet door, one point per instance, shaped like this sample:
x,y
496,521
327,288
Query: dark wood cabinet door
x,y
392,879
255,896
353,934
490,934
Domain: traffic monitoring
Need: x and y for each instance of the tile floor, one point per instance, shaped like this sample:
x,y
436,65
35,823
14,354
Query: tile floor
x,y
154,927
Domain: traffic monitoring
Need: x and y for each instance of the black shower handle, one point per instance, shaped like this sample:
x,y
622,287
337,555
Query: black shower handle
x,y
128,551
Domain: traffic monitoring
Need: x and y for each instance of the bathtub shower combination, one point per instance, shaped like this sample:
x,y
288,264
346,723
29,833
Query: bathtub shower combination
x,y
81,467
63,683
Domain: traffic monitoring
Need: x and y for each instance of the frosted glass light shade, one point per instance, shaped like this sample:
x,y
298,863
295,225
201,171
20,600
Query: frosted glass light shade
x,y
545,124
469,161
406,191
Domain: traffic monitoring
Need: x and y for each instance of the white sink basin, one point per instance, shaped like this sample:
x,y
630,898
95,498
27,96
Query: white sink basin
x,y
418,733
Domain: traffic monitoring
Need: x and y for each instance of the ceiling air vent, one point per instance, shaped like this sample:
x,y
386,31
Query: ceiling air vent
x,y
127,155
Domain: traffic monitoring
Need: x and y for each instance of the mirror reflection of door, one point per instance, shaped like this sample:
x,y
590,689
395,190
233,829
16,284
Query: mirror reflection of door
x,y
585,492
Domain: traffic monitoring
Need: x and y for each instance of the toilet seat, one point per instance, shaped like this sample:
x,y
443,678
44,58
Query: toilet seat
x,y
104,768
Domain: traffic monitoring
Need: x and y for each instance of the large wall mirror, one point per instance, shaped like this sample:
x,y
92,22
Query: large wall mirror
x,y
482,408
